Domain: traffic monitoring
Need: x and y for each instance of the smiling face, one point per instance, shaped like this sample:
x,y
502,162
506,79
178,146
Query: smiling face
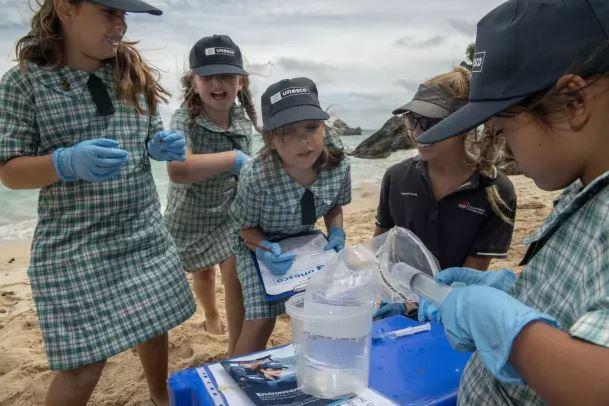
x,y
93,32
302,146
218,92
431,152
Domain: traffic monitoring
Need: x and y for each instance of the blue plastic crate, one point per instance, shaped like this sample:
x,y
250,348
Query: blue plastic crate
x,y
420,369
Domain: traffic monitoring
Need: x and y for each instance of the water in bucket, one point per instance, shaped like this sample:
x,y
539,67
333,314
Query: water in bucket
x,y
331,347
335,358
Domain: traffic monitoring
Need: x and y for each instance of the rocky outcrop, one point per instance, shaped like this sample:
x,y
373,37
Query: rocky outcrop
x,y
341,128
391,137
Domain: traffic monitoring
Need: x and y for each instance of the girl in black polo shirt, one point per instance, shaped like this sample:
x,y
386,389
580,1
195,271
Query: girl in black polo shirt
x,y
451,195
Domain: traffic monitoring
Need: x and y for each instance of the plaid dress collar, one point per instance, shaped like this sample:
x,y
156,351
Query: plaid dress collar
x,y
239,124
68,81
289,193
571,200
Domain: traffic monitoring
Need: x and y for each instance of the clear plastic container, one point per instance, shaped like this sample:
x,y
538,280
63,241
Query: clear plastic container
x,y
331,347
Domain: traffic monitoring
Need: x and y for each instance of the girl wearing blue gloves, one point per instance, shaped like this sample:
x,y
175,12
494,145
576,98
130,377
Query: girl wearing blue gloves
x,y
78,120
544,336
299,176
218,135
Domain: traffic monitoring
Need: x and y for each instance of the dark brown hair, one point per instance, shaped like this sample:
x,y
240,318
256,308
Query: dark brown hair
x,y
330,157
544,105
133,76
194,104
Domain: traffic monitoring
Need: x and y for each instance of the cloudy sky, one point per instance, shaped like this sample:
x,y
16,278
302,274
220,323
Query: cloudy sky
x,y
366,56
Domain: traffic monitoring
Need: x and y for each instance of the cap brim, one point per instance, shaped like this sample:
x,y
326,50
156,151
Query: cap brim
x,y
130,6
219,69
423,108
294,115
466,119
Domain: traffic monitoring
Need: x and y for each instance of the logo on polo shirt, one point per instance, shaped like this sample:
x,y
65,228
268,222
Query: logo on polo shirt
x,y
290,91
220,51
410,194
465,205
478,62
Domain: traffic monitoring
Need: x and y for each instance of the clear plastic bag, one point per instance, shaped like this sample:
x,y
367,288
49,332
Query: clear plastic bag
x,y
400,245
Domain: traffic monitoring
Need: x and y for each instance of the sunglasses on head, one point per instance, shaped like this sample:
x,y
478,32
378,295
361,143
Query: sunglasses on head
x,y
424,123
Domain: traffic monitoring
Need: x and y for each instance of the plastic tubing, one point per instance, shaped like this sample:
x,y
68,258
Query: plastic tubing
x,y
421,283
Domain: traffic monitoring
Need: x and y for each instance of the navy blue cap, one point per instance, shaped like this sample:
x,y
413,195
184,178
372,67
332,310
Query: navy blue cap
x,y
523,47
432,102
130,6
216,55
289,101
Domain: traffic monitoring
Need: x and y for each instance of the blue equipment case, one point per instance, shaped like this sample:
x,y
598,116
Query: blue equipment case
x,y
421,369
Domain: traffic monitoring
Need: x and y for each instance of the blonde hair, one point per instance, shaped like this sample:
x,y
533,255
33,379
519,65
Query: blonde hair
x,y
194,104
133,76
482,149
330,157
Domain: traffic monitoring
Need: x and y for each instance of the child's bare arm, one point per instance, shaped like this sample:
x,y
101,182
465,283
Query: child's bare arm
x,y
560,368
252,237
334,218
199,167
28,172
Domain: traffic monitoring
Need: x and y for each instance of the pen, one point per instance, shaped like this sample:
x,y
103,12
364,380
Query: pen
x,y
401,333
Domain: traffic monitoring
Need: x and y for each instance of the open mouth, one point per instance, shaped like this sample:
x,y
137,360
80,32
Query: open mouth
x,y
218,95
305,155
114,41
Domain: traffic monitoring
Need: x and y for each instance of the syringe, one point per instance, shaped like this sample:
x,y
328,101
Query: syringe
x,y
402,332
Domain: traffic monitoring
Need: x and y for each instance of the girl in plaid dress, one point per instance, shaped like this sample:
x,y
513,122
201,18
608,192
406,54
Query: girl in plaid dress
x,y
78,120
299,177
218,135
542,337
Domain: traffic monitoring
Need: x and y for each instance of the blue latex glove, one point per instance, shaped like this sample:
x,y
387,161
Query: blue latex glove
x,y
336,239
487,320
93,160
240,160
389,309
167,146
276,261
502,279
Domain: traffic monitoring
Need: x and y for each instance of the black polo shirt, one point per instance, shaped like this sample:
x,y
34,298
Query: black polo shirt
x,y
459,225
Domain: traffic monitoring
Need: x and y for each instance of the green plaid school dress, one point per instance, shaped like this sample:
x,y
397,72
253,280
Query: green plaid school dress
x,y
197,214
104,270
567,279
269,200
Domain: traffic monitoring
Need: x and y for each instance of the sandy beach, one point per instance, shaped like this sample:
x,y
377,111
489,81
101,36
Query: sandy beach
x,y
24,375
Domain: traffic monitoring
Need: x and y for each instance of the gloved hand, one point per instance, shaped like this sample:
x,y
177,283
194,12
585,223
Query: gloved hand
x,y
240,160
336,239
389,309
487,320
278,263
92,160
167,146
502,279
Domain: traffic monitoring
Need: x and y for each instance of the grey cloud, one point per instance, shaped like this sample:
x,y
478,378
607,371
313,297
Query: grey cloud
x,y
411,42
410,85
465,27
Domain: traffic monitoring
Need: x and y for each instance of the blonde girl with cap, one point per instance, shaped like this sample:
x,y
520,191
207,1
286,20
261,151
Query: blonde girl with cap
x,y
79,121
541,82
218,136
299,176
451,195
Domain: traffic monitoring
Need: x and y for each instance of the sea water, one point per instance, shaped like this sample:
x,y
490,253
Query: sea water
x,y
18,214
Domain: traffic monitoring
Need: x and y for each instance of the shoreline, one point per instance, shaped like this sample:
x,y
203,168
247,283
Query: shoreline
x,y
24,374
